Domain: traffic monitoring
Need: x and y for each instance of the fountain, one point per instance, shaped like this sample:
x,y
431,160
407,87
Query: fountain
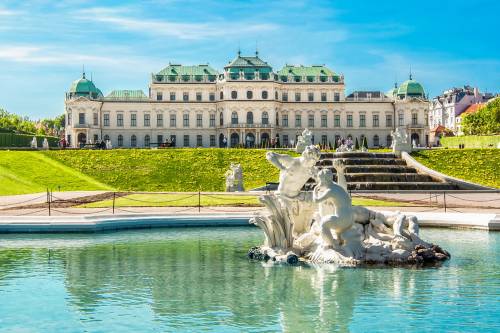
x,y
322,226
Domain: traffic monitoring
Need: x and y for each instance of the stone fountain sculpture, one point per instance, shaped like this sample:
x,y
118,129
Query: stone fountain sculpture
x,y
34,143
234,178
303,141
322,226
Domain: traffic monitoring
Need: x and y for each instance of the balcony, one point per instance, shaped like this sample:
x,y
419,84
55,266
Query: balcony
x,y
81,126
246,125
417,125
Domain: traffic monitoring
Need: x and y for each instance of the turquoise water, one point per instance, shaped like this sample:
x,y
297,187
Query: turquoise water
x,y
200,280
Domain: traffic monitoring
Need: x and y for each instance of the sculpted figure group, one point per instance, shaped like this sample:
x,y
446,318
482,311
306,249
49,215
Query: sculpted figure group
x,y
322,225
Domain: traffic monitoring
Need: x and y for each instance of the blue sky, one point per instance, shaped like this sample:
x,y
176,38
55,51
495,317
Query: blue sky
x,y
43,44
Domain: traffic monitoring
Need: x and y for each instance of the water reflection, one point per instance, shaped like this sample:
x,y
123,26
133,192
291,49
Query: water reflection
x,y
196,279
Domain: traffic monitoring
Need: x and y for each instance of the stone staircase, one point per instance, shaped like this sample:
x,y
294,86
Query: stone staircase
x,y
380,172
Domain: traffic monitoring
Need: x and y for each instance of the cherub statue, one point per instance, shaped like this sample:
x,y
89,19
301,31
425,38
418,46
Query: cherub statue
x,y
303,141
34,143
229,180
45,143
340,168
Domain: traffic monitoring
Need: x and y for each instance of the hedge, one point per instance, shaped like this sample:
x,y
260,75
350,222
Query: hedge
x,y
24,140
471,141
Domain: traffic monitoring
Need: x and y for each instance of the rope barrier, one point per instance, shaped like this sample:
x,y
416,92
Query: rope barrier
x,y
80,213
21,202
163,201
28,213
453,196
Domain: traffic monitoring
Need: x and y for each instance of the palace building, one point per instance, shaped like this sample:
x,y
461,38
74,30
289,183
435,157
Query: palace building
x,y
248,103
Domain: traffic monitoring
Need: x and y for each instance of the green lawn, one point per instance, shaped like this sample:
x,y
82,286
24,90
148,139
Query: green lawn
x,y
191,200
481,166
168,170
28,172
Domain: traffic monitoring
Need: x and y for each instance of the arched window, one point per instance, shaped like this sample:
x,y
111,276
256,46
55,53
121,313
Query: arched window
x,y
120,140
376,140
249,117
389,140
276,95
221,95
265,118
234,118
249,94
264,94
133,141
106,138
221,119
234,94
147,141
235,139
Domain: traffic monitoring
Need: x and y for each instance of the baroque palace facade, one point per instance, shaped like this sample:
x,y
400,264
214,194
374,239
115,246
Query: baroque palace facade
x,y
248,104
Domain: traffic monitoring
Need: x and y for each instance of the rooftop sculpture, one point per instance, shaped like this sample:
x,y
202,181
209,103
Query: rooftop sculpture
x,y
322,226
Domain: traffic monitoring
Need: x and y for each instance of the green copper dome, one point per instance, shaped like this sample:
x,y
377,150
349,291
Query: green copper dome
x,y
85,88
411,88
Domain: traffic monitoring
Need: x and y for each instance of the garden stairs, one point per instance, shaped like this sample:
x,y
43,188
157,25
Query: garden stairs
x,y
380,172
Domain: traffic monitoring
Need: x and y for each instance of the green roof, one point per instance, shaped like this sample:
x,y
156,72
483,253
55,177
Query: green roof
x,y
127,95
84,87
172,69
315,70
240,61
411,88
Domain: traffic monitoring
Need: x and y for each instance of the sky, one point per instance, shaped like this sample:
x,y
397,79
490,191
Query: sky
x,y
44,44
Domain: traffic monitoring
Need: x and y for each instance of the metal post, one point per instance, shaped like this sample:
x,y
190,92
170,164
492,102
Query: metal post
x,y
444,199
114,196
48,200
430,199
199,201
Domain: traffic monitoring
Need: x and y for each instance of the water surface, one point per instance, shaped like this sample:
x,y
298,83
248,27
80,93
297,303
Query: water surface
x,y
200,280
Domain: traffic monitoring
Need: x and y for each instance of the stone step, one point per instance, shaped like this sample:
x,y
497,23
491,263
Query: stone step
x,y
379,169
388,177
356,155
405,186
363,161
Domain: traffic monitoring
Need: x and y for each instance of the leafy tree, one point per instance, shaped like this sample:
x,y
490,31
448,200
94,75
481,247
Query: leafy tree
x,y
356,145
485,121
365,142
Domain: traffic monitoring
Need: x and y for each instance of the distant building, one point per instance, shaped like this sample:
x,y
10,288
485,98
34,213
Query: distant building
x,y
247,104
447,107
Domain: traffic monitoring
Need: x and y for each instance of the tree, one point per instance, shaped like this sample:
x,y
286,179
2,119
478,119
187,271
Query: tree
x,y
365,142
336,144
485,121
356,145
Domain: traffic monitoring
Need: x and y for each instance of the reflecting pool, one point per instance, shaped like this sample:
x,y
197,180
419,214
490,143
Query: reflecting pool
x,y
199,279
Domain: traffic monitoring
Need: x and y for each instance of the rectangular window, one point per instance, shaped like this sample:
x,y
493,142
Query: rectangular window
x,y
349,120
199,120
172,96
284,120
211,97
173,120
298,120
323,97
185,120
212,120
285,140
336,97
310,120
310,97
198,96
324,120
186,140
133,120
159,120
362,120
388,120
159,139
96,138
284,96
81,118
185,96
401,119
324,140
173,140
337,120
297,97
96,119
414,118
159,96
106,119
199,140
375,120
212,140
147,120
119,119
69,119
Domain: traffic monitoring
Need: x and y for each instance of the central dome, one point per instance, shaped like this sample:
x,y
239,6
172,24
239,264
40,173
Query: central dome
x,y
411,88
85,88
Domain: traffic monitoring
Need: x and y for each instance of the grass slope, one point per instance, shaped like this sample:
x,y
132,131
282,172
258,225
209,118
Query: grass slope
x,y
481,166
28,172
168,169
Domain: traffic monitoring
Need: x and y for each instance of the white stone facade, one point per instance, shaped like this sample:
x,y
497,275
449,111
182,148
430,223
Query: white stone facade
x,y
252,112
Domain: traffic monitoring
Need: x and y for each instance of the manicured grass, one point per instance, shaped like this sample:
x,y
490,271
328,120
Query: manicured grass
x,y
174,170
28,172
191,200
471,141
481,166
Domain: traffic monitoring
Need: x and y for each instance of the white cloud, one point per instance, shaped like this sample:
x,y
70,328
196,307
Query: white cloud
x,y
190,31
8,12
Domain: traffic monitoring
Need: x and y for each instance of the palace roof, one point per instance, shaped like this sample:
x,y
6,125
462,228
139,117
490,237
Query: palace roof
x,y
174,69
314,70
84,87
126,95
240,61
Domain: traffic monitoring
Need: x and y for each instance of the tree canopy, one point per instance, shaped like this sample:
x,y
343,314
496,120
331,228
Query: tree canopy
x,y
11,122
485,121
